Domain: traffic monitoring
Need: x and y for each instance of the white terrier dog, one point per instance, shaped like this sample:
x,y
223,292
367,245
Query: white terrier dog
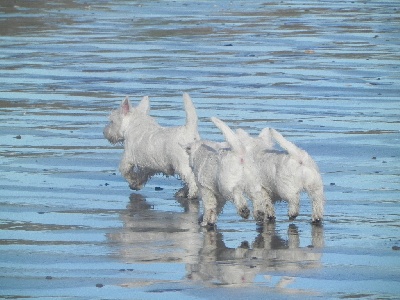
x,y
224,172
285,174
150,148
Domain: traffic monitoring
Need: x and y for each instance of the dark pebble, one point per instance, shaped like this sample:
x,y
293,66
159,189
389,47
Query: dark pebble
x,y
396,248
373,157
49,277
18,137
157,188
228,45
332,183
99,285
106,184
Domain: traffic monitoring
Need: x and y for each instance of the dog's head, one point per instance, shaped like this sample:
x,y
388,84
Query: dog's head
x,y
266,138
191,149
114,131
262,141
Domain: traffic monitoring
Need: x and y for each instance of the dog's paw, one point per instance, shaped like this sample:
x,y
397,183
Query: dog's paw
x,y
208,225
316,221
135,187
192,195
182,192
271,219
244,212
259,216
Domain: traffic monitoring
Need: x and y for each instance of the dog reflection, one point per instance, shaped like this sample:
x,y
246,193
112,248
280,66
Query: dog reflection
x,y
152,235
157,236
220,265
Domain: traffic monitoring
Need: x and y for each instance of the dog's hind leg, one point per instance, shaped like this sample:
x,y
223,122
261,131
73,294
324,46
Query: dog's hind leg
x,y
293,203
262,206
318,200
241,204
258,208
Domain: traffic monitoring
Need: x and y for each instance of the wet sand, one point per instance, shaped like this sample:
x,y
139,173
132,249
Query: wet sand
x,y
324,74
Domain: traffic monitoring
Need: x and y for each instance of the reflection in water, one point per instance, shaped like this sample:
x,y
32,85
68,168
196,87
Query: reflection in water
x,y
159,236
269,252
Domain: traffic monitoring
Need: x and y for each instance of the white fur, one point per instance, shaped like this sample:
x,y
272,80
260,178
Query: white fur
x,y
150,148
285,174
224,174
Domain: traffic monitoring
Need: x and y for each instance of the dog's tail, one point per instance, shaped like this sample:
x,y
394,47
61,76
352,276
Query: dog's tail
x,y
301,155
191,115
232,139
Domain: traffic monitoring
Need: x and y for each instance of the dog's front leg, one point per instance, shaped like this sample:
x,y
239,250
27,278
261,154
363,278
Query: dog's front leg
x,y
269,206
210,207
189,179
263,206
125,167
317,199
258,205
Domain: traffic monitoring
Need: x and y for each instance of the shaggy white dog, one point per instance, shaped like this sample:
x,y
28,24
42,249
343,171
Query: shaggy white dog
x,y
285,174
224,171
150,148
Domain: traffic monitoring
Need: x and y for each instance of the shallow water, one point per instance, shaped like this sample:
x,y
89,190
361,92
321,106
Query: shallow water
x,y
325,74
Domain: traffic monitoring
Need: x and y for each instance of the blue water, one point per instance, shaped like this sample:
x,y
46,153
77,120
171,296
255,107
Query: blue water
x,y
324,74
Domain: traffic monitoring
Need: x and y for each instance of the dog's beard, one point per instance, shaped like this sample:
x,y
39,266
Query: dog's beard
x,y
112,138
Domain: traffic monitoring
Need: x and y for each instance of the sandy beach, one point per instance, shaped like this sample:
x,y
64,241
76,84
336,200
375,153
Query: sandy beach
x,y
325,74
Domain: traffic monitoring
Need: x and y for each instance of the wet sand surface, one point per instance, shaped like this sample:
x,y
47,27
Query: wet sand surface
x,y
325,74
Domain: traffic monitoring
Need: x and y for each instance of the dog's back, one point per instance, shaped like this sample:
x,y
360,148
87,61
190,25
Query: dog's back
x,y
204,161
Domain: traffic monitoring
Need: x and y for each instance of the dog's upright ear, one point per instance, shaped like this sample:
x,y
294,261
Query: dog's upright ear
x,y
125,106
144,105
246,139
243,136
